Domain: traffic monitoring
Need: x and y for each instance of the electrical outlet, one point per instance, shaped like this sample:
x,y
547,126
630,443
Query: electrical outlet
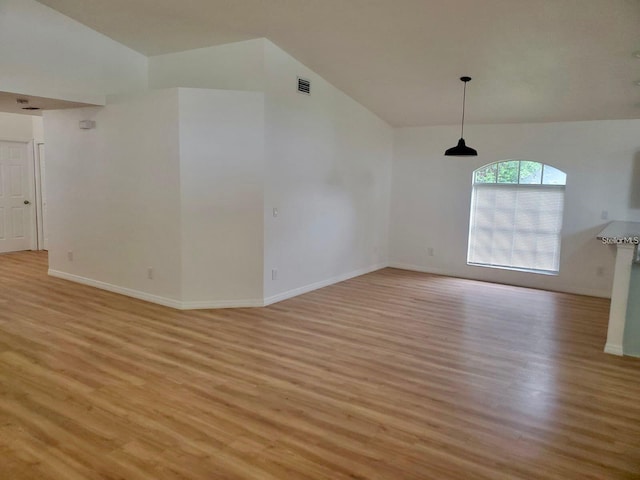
x,y
150,273
604,215
275,212
600,271
430,251
70,256
274,274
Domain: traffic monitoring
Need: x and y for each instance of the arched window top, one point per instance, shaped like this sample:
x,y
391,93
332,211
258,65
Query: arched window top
x,y
519,172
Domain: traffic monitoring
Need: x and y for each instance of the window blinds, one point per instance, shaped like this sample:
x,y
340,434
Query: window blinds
x,y
516,226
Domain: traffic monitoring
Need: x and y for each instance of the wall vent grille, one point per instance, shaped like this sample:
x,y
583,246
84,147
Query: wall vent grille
x,y
304,86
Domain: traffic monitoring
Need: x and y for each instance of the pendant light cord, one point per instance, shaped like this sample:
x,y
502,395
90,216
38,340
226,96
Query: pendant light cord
x,y
464,101
461,150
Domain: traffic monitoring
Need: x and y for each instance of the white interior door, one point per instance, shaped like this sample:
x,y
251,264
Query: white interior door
x,y
16,209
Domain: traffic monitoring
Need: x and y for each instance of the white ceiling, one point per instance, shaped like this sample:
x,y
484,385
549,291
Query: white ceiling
x,y
531,60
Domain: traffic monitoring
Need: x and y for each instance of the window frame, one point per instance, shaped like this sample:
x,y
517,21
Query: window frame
x,y
497,164
539,186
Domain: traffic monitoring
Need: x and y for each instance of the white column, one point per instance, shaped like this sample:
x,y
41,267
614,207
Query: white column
x,y
619,298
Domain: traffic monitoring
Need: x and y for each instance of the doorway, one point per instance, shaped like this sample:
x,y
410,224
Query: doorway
x,y
16,193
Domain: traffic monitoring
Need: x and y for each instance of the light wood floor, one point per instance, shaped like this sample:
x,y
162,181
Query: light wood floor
x,y
393,375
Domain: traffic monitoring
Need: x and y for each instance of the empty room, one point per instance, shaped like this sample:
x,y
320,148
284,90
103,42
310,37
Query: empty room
x,y
319,239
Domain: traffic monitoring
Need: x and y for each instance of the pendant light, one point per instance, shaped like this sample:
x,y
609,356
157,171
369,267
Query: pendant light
x,y
461,150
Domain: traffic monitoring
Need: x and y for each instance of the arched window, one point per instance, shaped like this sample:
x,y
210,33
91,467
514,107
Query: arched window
x,y
516,216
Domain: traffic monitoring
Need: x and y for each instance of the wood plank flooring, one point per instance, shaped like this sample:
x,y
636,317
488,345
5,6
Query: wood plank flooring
x,y
392,375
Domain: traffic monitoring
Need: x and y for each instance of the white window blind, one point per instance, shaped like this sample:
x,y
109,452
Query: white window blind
x,y
516,226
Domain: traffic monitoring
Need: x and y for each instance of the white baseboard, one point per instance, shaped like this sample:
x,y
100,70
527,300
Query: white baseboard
x,y
323,283
206,304
248,303
591,292
613,349
418,268
148,297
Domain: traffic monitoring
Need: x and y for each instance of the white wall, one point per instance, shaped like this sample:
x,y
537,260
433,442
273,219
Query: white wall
x,y
327,167
221,177
37,124
327,172
114,193
14,126
47,54
432,194
17,127
172,180
234,66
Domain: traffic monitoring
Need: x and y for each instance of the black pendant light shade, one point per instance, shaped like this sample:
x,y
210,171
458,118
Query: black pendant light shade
x,y
461,150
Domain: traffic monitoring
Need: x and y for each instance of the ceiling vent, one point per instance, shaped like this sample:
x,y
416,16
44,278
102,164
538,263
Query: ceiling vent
x,y
304,86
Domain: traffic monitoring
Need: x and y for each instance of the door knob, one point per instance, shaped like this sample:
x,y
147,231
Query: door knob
x,y
27,202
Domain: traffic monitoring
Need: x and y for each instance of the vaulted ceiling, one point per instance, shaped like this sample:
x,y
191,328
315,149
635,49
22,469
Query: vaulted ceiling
x,y
531,60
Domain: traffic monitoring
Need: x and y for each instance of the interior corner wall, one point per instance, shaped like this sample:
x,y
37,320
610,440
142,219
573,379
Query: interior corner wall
x,y
47,54
327,172
233,66
114,195
221,176
431,196
326,167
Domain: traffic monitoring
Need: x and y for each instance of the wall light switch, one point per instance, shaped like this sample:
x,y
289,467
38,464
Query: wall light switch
x,y
275,212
